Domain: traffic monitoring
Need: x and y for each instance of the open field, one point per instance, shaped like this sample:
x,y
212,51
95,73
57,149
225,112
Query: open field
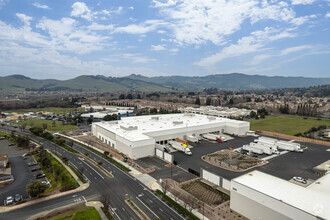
x,y
3,134
205,193
79,212
289,125
53,110
39,123
63,178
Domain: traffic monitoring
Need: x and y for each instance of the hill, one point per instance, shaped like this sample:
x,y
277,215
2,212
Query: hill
x,y
90,83
19,83
233,81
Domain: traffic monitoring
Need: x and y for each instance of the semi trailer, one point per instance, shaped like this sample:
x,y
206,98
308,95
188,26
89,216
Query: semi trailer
x,y
212,137
180,147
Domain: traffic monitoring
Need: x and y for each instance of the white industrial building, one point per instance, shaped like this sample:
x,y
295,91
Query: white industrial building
x,y
137,136
258,195
219,111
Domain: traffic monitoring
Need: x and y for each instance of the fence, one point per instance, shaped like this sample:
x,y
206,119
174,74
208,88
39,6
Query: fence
x,y
302,139
165,156
216,179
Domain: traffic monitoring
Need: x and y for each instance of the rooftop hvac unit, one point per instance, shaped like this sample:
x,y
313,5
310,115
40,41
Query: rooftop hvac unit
x,y
155,117
129,128
177,122
189,114
211,118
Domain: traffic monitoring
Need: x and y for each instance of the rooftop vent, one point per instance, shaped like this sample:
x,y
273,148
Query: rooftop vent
x,y
189,114
155,118
129,128
177,122
211,118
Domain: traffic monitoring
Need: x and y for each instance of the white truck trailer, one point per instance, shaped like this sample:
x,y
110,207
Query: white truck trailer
x,y
193,138
180,147
212,137
284,145
267,148
252,149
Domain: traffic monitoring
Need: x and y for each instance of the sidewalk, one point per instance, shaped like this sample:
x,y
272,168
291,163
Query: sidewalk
x,y
97,205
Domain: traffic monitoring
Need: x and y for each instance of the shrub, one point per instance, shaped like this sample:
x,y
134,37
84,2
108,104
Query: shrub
x,y
67,188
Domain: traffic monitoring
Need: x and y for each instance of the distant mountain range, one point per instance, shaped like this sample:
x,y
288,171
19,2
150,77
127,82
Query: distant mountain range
x,y
20,83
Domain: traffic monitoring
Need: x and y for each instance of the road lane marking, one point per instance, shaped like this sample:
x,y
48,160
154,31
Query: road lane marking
x,y
93,169
147,207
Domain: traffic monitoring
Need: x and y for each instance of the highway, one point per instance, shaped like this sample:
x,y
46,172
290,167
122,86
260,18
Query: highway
x,y
121,187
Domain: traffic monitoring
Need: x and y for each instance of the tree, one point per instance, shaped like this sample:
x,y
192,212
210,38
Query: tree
x,y
198,101
107,118
22,142
262,115
90,120
35,188
105,200
129,96
208,100
44,126
36,131
122,96
114,117
231,101
256,117
252,114
165,185
59,141
153,111
138,96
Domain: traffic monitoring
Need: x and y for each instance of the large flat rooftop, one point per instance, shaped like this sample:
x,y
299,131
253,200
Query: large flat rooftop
x,y
140,127
313,199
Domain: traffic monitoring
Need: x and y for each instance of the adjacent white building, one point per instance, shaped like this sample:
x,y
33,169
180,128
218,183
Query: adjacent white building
x,y
137,136
258,195
219,111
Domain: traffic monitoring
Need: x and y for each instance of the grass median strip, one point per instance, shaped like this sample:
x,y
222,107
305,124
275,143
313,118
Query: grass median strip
x,y
56,173
78,212
102,155
177,206
136,209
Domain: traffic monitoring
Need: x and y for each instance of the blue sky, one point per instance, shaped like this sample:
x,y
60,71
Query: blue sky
x,y
63,39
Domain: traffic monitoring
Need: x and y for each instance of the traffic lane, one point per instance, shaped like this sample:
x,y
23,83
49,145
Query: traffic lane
x,y
135,187
22,177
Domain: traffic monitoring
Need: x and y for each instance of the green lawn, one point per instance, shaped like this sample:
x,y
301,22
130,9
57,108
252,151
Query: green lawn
x,y
289,125
67,179
4,134
54,110
78,213
39,123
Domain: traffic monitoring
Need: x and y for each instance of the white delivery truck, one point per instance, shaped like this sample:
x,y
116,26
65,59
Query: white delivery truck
x,y
181,147
252,149
267,149
212,137
284,145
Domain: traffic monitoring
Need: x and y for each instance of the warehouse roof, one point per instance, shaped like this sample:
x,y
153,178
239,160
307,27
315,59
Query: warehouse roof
x,y
141,127
314,199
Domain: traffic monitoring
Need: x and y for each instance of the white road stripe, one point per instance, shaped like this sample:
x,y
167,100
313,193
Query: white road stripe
x,y
148,207
93,169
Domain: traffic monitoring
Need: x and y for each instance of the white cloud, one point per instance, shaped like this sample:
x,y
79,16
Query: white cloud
x,y
24,18
253,43
137,58
80,9
36,4
295,49
327,15
302,2
131,8
157,47
299,21
200,21
258,59
143,28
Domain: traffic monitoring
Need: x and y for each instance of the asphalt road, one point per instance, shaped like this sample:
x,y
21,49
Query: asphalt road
x,y
121,187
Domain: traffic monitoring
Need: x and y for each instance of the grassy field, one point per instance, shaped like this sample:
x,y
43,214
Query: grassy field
x,y
54,110
39,123
289,125
64,179
80,212
3,134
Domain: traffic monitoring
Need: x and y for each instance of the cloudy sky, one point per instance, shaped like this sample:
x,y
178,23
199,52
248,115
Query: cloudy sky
x,y
63,39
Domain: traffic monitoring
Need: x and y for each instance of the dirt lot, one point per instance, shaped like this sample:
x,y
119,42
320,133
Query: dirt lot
x,y
233,161
205,193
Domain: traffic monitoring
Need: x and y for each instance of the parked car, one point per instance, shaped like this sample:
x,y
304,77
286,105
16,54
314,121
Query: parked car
x,y
11,144
36,169
18,198
300,179
32,164
9,200
2,138
40,175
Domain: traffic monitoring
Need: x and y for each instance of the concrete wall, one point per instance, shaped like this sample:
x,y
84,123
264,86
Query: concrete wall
x,y
255,205
226,184
159,153
168,157
211,177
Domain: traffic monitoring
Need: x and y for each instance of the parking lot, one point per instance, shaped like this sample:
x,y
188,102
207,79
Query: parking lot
x,y
284,166
22,173
12,151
